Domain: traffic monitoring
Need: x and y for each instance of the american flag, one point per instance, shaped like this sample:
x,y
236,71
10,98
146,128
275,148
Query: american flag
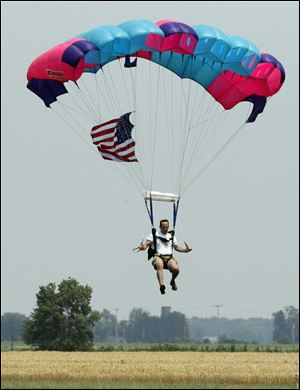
x,y
113,139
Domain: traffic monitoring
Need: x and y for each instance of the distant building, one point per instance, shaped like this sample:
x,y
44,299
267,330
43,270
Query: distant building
x,y
165,310
209,339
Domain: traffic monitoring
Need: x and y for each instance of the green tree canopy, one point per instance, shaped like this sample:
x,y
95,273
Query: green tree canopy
x,y
63,319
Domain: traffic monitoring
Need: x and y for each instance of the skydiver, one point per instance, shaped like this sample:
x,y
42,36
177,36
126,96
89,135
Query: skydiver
x,y
163,256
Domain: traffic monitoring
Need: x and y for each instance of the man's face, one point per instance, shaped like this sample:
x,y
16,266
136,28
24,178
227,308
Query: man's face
x,y
164,227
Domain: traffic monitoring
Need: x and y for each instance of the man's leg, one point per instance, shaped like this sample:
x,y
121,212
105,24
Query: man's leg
x,y
174,269
159,266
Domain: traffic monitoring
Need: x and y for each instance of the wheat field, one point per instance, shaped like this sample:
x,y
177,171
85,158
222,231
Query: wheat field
x,y
148,369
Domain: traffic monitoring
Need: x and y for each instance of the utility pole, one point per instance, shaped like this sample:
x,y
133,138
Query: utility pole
x,y
116,329
293,333
218,309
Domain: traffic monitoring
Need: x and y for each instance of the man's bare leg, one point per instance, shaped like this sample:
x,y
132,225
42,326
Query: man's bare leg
x,y
160,274
173,267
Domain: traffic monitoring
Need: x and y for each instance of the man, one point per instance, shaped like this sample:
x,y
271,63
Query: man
x,y
163,258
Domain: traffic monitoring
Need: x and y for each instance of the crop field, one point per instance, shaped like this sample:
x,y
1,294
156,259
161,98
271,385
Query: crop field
x,y
159,370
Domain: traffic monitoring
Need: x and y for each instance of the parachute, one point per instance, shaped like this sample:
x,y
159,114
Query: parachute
x,y
156,97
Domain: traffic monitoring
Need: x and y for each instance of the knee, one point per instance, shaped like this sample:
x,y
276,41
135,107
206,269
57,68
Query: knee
x,y
158,263
159,266
176,270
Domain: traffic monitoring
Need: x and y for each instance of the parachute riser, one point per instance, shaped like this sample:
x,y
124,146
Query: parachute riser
x,y
162,197
150,211
175,211
150,195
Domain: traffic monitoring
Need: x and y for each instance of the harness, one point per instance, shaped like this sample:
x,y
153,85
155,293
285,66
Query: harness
x,y
153,251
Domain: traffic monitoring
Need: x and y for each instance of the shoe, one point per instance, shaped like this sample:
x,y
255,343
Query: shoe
x,y
173,284
162,288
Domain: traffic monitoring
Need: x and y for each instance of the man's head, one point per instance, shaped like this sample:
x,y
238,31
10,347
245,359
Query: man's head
x,y
164,226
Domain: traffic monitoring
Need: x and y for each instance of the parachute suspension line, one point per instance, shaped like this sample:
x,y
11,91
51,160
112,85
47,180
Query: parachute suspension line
x,y
83,130
135,169
123,78
196,97
181,229
180,136
85,141
103,95
82,113
155,127
133,180
220,120
169,131
115,91
149,132
200,139
89,99
79,133
134,84
214,157
187,134
203,99
114,100
112,89
206,120
199,142
98,97
172,135
109,94
88,113
197,156
85,99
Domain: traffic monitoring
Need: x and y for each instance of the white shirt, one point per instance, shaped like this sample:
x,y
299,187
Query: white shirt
x,y
163,247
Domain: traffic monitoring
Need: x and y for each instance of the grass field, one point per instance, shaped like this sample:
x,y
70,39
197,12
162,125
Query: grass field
x,y
144,370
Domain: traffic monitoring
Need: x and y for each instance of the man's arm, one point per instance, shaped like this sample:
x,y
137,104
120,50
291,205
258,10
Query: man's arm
x,y
180,249
144,245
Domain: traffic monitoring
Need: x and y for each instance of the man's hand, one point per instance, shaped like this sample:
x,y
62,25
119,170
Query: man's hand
x,y
143,245
187,248
139,247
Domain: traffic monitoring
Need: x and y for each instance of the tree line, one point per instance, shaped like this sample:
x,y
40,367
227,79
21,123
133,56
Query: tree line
x,y
64,320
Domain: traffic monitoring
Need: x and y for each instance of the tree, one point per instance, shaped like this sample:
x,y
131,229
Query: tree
x,y
292,319
105,328
11,326
137,325
63,319
280,328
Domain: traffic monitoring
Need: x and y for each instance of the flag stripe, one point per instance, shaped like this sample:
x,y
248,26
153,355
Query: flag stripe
x,y
106,124
113,139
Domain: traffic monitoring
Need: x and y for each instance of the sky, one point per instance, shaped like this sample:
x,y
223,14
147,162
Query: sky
x,y
66,213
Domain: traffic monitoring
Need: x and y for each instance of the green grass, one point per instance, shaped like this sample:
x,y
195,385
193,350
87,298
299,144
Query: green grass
x,y
132,347
152,347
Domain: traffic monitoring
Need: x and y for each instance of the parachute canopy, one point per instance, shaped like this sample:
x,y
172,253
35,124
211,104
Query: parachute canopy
x,y
229,67
160,118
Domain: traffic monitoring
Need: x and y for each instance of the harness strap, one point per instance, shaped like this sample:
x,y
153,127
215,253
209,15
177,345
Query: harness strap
x,y
175,211
150,211
152,251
